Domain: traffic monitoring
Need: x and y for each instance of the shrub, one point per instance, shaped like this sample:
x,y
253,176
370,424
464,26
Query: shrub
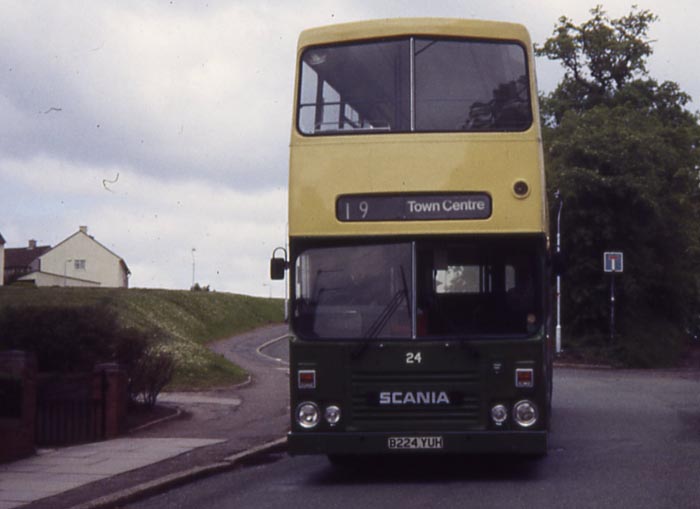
x,y
74,339
152,372
650,344
64,339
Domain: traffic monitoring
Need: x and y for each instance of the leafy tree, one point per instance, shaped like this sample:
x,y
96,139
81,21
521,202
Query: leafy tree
x,y
623,150
599,56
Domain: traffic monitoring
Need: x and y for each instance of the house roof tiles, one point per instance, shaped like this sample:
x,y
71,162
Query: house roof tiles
x,y
23,256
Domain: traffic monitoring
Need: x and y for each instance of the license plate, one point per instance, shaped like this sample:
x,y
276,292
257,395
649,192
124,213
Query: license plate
x,y
415,442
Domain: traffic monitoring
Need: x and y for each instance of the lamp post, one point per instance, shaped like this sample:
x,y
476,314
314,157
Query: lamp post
x,y
557,195
193,250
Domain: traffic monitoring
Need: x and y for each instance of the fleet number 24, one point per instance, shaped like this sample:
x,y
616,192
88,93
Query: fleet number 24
x,y
413,358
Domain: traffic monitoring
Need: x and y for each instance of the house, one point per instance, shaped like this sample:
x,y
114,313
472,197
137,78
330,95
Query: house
x,y
19,262
77,261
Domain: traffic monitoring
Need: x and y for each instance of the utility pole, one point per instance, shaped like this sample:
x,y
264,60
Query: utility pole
x,y
193,250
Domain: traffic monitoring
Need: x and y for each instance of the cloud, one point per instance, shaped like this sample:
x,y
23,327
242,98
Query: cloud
x,y
189,103
154,87
150,222
195,89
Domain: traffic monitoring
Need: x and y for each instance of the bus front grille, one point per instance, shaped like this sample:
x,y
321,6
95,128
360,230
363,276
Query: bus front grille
x,y
419,400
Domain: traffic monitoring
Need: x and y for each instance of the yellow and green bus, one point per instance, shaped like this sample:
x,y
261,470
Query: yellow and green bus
x,y
419,254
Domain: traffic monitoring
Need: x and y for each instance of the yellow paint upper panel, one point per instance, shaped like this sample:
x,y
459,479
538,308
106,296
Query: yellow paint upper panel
x,y
325,167
447,27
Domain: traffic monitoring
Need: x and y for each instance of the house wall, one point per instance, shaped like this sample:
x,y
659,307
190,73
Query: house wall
x,y
101,265
44,279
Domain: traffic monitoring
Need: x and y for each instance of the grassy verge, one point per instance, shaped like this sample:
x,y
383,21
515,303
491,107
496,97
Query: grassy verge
x,y
185,322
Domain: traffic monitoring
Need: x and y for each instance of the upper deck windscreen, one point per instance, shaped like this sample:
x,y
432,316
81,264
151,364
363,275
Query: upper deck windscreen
x,y
414,84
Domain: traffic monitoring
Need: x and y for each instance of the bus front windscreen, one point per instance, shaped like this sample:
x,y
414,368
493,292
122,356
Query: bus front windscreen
x,y
419,289
414,84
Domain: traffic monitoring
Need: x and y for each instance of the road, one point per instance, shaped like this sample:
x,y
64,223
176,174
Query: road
x,y
619,439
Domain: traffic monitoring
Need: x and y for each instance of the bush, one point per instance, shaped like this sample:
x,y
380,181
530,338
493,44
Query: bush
x,y
64,339
650,343
152,372
74,339
646,344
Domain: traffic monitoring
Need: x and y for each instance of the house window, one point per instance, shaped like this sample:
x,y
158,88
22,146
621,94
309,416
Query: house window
x,y
79,264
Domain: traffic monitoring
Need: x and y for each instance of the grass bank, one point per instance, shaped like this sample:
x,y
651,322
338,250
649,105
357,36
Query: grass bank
x,y
184,321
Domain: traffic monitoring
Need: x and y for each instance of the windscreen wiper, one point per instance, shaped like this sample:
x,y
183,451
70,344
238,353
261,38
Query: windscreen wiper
x,y
380,322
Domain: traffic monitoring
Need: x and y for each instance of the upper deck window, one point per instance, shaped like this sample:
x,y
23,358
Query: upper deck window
x,y
414,84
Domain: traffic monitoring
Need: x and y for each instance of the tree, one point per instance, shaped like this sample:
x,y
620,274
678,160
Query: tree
x,y
623,151
600,57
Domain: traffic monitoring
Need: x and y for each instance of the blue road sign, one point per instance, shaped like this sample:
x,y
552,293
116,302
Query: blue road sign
x,y
613,261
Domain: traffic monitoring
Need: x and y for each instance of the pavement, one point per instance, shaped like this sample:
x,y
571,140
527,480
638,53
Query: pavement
x,y
213,431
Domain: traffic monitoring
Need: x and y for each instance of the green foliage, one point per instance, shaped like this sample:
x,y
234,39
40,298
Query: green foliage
x,y
151,373
623,151
126,322
212,371
69,339
599,56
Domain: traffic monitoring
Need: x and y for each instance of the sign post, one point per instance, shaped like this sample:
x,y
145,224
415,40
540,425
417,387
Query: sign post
x,y
613,261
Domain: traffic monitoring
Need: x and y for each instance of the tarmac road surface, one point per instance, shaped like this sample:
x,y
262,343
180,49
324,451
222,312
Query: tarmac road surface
x,y
625,439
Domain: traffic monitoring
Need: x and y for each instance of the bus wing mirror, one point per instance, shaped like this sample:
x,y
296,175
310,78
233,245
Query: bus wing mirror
x,y
277,268
278,264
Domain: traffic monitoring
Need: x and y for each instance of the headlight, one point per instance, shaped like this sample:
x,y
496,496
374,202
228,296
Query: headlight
x,y
332,415
499,414
308,414
525,413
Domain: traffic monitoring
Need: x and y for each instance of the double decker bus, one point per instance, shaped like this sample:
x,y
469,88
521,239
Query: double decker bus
x,y
418,242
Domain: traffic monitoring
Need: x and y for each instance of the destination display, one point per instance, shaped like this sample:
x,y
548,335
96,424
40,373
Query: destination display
x,y
412,207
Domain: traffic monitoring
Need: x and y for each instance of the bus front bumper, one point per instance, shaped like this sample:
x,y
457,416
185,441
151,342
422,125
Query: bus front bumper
x,y
479,442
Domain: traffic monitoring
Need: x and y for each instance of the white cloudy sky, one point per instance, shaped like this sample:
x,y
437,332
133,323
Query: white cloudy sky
x,y
187,106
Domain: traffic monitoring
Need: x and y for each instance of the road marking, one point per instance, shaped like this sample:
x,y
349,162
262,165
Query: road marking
x,y
259,350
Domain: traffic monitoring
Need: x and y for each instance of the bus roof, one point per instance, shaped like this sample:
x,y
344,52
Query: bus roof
x,y
394,27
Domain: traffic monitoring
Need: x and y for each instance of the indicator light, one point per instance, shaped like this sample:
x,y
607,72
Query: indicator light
x,y
306,379
524,378
499,414
332,415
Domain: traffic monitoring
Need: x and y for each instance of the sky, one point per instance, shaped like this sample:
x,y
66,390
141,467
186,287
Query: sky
x,y
164,126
